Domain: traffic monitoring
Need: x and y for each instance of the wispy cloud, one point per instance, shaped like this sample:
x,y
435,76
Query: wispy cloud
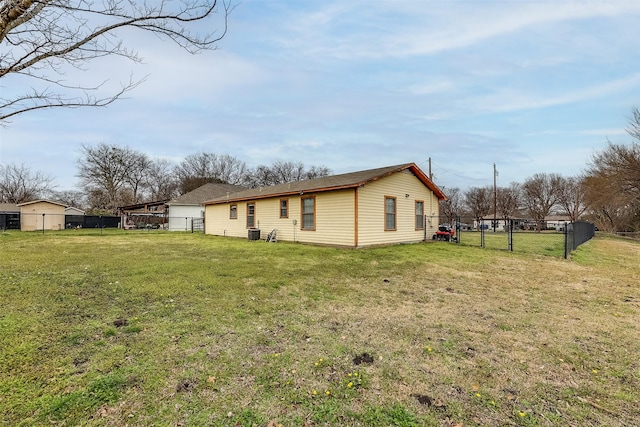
x,y
427,88
509,100
604,132
428,27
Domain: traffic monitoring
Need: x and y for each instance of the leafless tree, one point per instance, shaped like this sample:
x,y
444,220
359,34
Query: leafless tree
x,y
230,169
539,195
571,196
479,202
18,184
620,164
108,168
453,207
261,176
201,168
160,181
613,187
98,202
633,127
612,182
608,207
42,40
77,199
284,171
281,172
317,172
508,201
137,177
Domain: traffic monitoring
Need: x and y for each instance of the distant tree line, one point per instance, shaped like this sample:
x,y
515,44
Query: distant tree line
x,y
113,175
607,192
538,197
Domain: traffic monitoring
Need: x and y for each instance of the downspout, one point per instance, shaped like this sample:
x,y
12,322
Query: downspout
x,y
424,225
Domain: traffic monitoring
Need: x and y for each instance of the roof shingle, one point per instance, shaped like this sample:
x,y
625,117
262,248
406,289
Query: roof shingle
x,y
206,192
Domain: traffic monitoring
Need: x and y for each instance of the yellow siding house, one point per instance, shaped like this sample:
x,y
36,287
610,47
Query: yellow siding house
x,y
372,207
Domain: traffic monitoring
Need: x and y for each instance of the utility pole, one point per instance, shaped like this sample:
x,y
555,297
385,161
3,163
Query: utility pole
x,y
430,174
495,197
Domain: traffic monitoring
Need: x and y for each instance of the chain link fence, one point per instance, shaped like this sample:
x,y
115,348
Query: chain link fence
x,y
42,222
515,235
577,233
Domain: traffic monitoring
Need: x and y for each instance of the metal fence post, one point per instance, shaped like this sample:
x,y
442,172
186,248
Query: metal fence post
x,y
566,240
510,236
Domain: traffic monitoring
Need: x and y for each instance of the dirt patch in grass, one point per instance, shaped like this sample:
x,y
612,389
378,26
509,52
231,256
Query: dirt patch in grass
x,y
365,358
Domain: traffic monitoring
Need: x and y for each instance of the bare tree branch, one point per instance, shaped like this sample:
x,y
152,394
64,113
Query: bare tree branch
x,y
18,184
39,39
540,194
633,127
508,201
108,169
613,185
39,100
478,202
571,196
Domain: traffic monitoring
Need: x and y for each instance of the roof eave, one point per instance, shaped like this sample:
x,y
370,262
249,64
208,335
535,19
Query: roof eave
x,y
412,166
427,181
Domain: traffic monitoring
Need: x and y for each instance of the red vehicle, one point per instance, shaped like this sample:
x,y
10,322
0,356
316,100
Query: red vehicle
x,y
445,233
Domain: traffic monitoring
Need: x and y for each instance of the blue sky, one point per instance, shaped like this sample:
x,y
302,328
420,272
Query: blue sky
x,y
532,86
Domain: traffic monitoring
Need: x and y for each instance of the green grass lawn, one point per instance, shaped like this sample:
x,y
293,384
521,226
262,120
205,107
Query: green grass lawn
x,y
177,329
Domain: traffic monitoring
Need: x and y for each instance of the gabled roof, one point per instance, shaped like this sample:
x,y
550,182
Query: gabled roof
x,y
206,192
73,209
329,183
42,201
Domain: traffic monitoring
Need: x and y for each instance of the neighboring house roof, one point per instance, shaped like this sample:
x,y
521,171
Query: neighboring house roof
x,y
77,211
206,192
329,183
557,218
146,205
9,207
42,201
